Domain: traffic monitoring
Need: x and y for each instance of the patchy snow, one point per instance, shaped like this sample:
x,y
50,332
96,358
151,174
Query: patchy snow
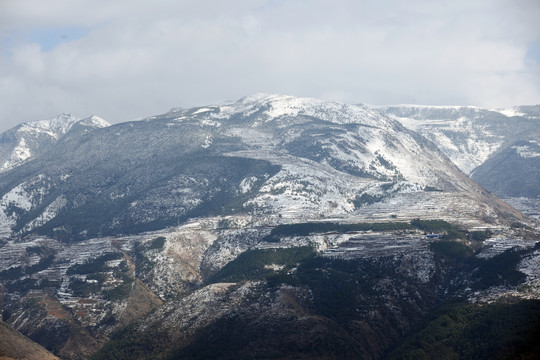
x,y
207,141
48,214
530,266
527,206
202,110
32,138
499,244
513,111
274,107
20,153
19,197
526,151
95,121
209,122
247,184
425,107
54,127
15,254
454,130
24,196
305,189
274,267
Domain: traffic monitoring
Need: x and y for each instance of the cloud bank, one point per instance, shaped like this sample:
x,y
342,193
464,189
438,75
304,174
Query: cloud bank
x,y
123,60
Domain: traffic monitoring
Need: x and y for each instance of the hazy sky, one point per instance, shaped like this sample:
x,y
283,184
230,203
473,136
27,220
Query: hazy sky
x,y
124,60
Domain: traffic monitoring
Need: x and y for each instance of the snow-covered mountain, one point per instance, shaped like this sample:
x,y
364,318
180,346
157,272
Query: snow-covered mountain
x,y
282,157
195,214
467,135
495,147
29,140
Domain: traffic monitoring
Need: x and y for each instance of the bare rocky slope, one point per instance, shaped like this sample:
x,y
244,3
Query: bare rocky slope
x,y
13,346
154,238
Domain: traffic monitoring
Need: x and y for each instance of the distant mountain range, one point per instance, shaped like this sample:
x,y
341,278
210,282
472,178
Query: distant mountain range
x,y
326,230
498,148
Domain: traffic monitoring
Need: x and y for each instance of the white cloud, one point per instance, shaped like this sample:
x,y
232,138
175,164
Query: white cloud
x,y
140,58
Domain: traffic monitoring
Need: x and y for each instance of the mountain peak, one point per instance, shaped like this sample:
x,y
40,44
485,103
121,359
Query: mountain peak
x,y
28,140
58,124
95,121
272,106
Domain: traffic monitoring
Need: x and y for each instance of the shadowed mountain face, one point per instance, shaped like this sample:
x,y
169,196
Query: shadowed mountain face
x,y
513,171
13,345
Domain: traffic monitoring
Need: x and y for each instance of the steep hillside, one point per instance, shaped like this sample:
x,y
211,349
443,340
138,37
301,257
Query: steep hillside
x,y
513,171
13,346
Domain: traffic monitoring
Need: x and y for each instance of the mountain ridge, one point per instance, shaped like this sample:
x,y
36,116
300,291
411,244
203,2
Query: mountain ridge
x,y
28,140
303,147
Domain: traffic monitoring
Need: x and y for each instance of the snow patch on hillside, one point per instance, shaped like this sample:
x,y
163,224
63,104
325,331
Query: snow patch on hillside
x,y
24,196
303,189
19,197
48,214
453,129
513,111
526,151
247,184
94,121
20,153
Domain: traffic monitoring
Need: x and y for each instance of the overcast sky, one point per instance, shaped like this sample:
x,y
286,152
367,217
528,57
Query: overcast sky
x,y
124,60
